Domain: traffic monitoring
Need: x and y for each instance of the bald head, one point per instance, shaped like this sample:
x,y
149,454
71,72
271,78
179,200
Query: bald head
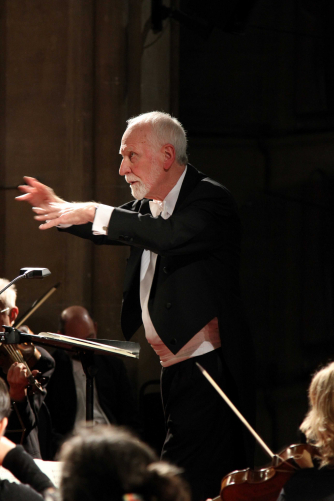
x,y
76,322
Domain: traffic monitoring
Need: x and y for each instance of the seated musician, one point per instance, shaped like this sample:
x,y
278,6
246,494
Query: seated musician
x,y
28,409
107,463
317,484
113,395
14,458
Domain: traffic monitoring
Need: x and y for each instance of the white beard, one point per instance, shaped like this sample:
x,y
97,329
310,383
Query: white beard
x,y
139,190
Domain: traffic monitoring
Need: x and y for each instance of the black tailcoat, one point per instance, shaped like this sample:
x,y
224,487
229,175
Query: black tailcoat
x,y
196,277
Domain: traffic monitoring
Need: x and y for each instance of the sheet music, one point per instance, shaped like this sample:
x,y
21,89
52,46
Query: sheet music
x,y
51,468
82,343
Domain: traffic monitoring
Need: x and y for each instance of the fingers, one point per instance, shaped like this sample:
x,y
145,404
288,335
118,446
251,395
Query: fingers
x,y
56,211
48,215
24,197
17,373
29,188
31,181
51,224
25,188
27,192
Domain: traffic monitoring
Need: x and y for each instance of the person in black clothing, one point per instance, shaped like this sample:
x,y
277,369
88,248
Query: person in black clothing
x,y
108,463
182,284
28,409
113,395
19,463
317,484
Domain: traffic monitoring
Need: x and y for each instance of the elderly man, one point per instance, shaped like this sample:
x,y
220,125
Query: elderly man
x,y
113,396
28,409
182,283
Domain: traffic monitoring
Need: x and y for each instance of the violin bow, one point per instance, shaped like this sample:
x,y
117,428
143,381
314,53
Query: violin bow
x,y
36,305
235,410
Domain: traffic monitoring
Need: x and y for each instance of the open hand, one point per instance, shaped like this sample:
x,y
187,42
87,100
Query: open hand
x,y
53,210
65,213
37,194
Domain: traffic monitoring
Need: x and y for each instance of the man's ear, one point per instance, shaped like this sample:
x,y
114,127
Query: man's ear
x,y
13,312
3,425
169,156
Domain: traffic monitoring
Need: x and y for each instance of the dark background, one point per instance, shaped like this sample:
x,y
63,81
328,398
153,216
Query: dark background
x,y
252,82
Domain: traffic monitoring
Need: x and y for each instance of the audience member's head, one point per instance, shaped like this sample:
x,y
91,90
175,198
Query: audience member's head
x,y
107,463
8,308
318,425
75,321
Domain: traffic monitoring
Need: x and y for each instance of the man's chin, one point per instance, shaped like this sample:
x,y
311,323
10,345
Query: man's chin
x,y
138,193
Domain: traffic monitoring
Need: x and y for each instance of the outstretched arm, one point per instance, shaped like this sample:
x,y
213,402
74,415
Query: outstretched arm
x,y
53,210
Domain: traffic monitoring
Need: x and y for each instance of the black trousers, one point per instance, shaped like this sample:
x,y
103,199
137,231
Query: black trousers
x,y
203,435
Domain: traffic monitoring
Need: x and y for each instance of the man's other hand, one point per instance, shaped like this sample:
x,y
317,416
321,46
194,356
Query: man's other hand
x,y
37,194
65,213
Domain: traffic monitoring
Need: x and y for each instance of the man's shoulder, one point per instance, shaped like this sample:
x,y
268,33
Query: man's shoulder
x,y
205,186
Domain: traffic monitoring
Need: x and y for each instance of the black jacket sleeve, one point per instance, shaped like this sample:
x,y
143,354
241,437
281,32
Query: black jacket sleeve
x,y
24,468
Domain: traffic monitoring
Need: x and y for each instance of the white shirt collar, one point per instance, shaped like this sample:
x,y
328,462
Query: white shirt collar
x,y
168,205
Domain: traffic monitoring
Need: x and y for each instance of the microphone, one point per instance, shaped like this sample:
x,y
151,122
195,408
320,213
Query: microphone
x,y
35,272
28,273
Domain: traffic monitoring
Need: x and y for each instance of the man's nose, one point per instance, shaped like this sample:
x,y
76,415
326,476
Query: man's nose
x,y
124,168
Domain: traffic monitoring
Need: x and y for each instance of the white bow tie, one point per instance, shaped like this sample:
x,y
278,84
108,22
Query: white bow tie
x,y
157,207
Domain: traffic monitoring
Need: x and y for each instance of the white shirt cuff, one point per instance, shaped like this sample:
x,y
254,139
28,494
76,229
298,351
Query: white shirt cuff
x,y
101,220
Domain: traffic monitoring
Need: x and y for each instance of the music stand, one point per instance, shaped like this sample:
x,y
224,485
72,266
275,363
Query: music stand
x,y
83,347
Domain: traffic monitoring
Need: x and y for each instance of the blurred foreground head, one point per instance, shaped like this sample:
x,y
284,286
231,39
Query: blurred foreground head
x,y
106,463
318,424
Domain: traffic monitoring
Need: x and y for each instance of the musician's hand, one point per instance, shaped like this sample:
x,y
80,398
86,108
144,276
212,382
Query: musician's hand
x,y
65,213
5,446
37,194
17,378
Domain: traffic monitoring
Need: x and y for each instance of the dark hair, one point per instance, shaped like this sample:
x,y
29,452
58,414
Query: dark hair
x,y
106,462
5,405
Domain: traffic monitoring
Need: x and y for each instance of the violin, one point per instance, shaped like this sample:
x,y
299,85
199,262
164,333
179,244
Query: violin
x,y
263,484
25,353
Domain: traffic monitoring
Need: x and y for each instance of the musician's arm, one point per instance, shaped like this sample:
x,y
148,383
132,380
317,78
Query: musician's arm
x,y
24,468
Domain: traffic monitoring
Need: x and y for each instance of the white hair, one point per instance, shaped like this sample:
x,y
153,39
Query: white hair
x,y
166,129
7,298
